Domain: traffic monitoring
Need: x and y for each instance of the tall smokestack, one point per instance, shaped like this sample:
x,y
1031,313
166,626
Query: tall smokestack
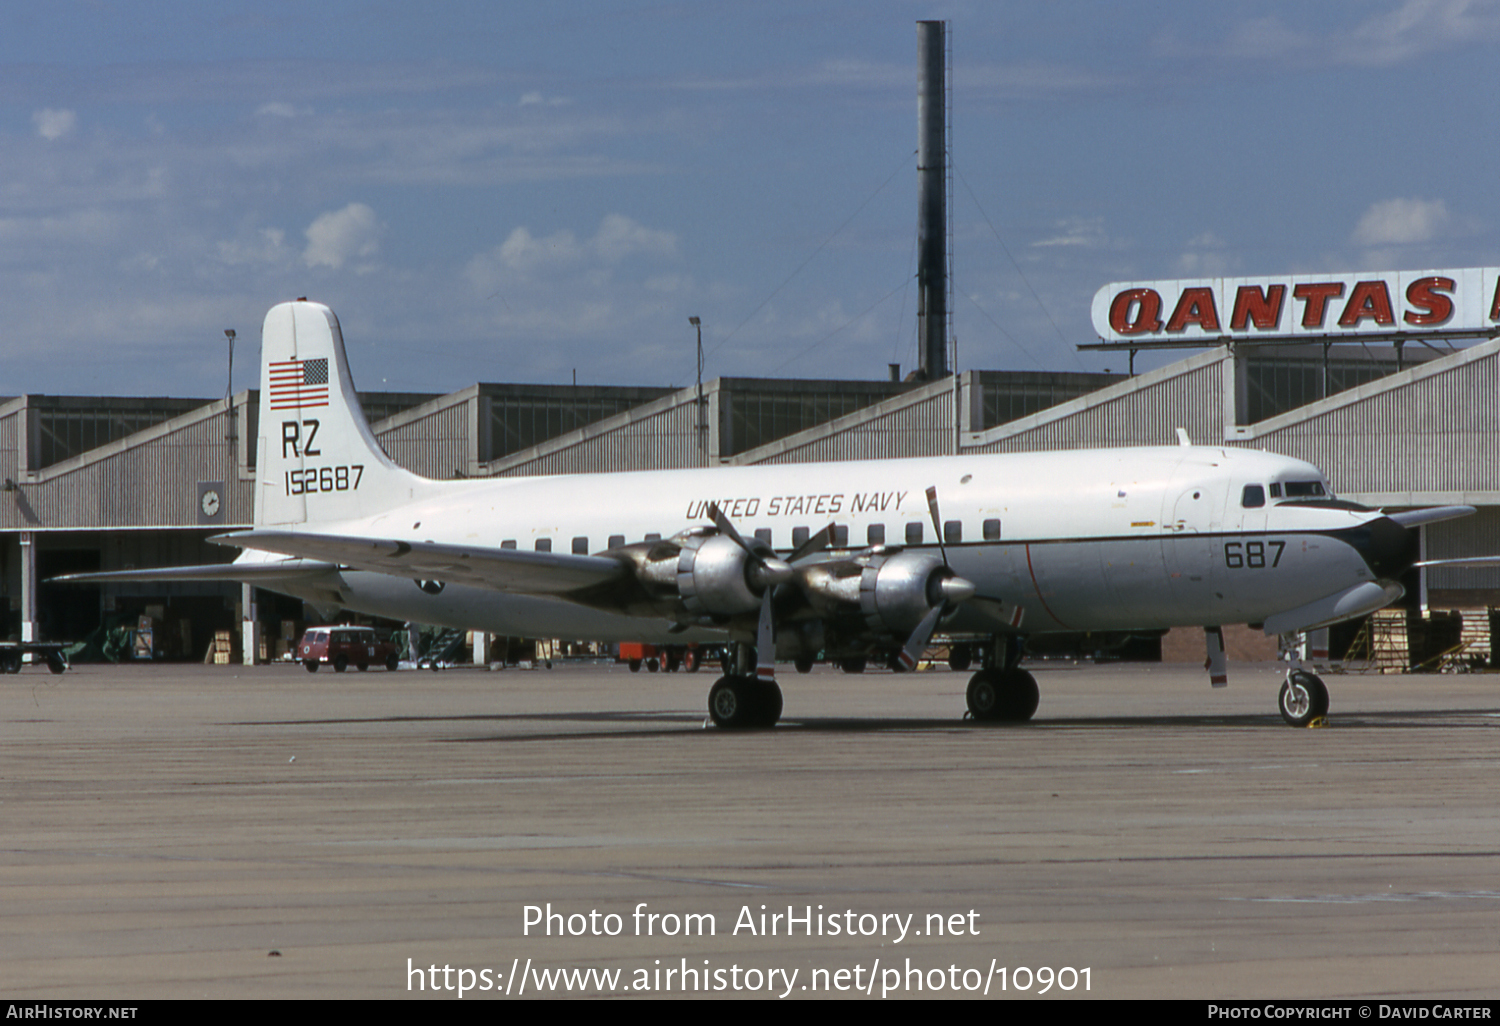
x,y
932,173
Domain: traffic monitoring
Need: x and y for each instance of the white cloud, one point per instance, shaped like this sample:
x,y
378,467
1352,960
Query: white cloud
x,y
281,110
54,124
1206,256
619,238
1418,27
1078,231
1411,30
263,246
1400,222
341,235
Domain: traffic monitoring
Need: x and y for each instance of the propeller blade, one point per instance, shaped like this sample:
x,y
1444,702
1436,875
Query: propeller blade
x,y
912,650
770,571
765,641
998,611
937,522
726,526
813,544
1430,515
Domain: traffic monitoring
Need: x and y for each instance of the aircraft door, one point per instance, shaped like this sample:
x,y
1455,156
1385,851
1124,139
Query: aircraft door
x,y
1188,550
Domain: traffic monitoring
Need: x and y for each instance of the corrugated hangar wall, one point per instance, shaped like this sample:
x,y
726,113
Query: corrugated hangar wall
x,y
1146,410
655,436
436,439
1429,434
151,478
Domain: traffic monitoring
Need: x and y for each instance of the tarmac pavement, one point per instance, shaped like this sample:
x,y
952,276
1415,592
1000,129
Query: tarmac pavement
x,y
193,831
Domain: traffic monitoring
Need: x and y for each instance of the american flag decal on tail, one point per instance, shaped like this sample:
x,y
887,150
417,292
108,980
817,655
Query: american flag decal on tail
x,y
299,384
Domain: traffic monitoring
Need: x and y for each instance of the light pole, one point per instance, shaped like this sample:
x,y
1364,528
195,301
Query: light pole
x,y
229,387
702,426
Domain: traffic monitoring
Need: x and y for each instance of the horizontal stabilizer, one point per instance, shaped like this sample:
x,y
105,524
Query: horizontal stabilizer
x,y
252,573
511,570
1471,561
1431,515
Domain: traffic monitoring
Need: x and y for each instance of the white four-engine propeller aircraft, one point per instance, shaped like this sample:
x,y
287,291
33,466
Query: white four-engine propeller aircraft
x,y
847,560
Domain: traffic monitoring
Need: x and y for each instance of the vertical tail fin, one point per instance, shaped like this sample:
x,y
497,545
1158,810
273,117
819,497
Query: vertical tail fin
x,y
316,459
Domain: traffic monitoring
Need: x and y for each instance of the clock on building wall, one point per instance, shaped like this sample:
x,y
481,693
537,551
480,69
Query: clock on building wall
x,y
210,502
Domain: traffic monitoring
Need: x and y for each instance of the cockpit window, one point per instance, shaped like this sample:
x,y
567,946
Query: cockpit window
x,y
1253,497
1276,490
1305,490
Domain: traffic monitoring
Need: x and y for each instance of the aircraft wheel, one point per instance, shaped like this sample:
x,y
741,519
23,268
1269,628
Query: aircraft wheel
x,y
737,703
767,702
1304,698
340,664
999,696
312,665
960,657
729,703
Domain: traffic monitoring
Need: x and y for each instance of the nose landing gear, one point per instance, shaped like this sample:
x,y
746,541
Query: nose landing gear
x,y
1304,698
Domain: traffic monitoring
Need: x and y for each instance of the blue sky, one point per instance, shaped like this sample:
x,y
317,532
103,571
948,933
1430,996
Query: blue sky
x,y
518,191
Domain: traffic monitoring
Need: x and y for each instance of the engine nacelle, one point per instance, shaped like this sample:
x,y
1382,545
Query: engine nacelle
x,y
713,577
897,591
700,575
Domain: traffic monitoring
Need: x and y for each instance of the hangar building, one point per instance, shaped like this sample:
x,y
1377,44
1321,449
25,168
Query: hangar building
x,y
116,483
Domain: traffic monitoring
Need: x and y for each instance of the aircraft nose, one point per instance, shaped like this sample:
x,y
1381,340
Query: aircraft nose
x,y
1388,549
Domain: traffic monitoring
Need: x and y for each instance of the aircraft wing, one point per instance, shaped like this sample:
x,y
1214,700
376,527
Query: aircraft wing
x,y
253,573
512,570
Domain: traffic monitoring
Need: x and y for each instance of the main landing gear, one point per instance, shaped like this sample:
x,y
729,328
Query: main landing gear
x,y
1002,692
740,699
1304,698
738,702
998,695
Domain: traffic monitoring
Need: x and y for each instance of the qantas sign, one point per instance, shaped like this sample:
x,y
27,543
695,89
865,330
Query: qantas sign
x,y
1382,303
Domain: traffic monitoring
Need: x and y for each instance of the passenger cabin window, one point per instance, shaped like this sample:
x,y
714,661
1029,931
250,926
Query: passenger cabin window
x,y
914,533
580,546
763,534
653,537
799,535
953,532
616,540
875,535
544,544
839,536
1253,497
509,543
992,530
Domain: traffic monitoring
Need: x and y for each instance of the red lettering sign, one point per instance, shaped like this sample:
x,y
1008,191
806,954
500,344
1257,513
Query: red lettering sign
x,y
1316,295
1369,299
1251,304
1423,294
1195,306
1147,306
